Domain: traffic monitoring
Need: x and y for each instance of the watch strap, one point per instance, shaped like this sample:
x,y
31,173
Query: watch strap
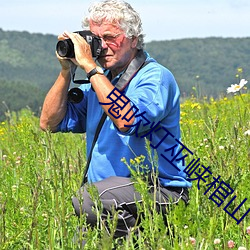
x,y
93,72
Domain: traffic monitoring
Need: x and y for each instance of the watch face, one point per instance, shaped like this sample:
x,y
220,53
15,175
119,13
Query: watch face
x,y
99,70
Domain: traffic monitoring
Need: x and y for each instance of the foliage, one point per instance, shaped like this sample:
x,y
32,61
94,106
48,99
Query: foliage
x,y
208,62
28,58
28,68
14,95
40,172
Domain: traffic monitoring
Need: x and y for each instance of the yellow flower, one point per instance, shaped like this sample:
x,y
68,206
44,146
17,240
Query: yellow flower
x,y
183,113
132,162
195,105
138,160
240,70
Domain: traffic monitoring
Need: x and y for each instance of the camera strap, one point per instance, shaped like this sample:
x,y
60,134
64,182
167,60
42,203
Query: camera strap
x,y
136,64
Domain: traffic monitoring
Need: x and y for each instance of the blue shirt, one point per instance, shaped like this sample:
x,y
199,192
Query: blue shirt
x,y
154,92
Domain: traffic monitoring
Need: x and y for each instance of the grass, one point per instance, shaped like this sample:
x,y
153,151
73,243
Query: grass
x,y
40,172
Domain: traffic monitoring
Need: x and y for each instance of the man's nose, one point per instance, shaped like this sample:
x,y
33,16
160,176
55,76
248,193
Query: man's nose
x,y
104,44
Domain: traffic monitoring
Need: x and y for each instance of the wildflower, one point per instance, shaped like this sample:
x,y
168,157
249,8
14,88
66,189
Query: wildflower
x,y
240,70
221,147
192,240
195,105
230,244
247,133
216,241
248,230
242,248
14,188
205,158
45,216
132,162
123,159
237,87
183,113
138,160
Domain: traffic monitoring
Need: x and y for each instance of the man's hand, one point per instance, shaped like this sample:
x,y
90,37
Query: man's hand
x,y
83,54
66,63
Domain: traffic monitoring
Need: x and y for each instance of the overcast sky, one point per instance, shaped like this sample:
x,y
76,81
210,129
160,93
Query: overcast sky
x,y
162,19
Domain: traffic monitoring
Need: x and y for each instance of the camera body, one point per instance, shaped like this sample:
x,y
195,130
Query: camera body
x,y
65,48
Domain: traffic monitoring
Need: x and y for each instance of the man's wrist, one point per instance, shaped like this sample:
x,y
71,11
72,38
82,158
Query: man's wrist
x,y
65,73
96,70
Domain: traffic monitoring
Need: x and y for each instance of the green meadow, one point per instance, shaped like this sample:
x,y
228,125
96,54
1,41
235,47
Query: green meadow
x,y
40,172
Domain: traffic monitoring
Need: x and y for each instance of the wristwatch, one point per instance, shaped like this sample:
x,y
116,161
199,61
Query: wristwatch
x,y
96,70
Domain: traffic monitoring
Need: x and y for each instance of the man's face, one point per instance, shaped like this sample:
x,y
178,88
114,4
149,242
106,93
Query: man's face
x,y
118,50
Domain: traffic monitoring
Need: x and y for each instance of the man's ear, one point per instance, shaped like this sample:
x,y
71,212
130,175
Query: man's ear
x,y
134,42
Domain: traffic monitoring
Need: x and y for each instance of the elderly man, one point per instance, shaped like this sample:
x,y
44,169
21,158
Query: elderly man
x,y
140,99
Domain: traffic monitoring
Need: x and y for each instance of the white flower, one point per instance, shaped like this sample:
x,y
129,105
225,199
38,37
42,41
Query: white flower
x,y
221,147
246,133
22,210
237,87
217,241
242,248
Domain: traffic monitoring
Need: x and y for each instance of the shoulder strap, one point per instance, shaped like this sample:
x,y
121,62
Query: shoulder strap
x,y
136,64
97,132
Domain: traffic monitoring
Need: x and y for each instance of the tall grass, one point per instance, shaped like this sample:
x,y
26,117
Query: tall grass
x,y
40,172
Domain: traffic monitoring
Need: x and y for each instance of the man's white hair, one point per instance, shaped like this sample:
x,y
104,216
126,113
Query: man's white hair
x,y
120,13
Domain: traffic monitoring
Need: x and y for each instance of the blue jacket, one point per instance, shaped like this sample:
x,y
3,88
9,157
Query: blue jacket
x,y
155,94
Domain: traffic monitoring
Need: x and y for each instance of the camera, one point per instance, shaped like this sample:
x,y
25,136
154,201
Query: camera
x,y
65,48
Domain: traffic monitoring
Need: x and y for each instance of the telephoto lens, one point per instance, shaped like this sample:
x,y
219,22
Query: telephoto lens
x,y
65,48
75,95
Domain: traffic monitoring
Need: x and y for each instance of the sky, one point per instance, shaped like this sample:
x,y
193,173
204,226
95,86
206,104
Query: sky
x,y
162,19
